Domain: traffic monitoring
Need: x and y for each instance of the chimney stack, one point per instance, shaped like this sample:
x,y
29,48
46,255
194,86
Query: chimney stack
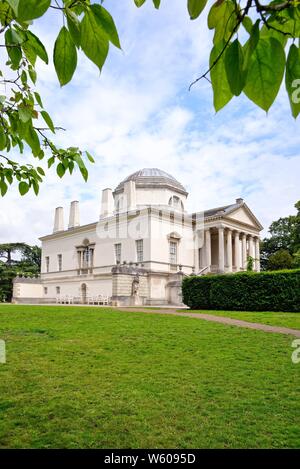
x,y
74,219
107,204
130,195
239,200
58,220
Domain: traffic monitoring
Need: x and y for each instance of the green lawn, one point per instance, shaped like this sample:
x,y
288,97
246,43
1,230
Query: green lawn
x,y
96,378
291,320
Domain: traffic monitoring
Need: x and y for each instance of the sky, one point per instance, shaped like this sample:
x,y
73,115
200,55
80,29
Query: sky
x,y
139,113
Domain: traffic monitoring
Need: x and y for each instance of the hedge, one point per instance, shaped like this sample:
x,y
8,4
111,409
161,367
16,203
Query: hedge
x,y
244,291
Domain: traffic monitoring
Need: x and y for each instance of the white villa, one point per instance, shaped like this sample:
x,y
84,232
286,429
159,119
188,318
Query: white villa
x,y
141,247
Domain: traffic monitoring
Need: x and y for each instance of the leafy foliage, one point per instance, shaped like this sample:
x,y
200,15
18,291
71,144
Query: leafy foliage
x,y
280,260
25,124
253,48
27,262
285,240
244,291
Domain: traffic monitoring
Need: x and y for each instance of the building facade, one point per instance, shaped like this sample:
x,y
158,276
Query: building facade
x,y
141,247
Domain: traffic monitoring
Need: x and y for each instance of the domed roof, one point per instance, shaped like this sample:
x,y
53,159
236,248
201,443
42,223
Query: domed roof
x,y
152,177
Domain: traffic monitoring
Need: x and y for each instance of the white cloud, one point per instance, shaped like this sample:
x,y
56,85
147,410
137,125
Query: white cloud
x,y
139,113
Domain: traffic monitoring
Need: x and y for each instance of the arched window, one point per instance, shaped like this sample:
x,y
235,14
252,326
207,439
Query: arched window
x,y
176,203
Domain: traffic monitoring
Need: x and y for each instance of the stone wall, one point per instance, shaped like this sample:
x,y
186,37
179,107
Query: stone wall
x,y
123,277
27,290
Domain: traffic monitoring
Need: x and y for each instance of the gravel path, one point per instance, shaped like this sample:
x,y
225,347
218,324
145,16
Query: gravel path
x,y
220,319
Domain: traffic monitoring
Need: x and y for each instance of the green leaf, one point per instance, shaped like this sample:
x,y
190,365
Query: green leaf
x,y
156,3
38,99
265,73
94,40
14,5
266,33
2,139
3,188
73,26
221,88
64,56
292,79
91,159
222,18
139,3
37,46
106,22
13,50
32,140
247,23
31,9
60,170
40,170
195,8
234,67
30,53
32,74
84,173
48,121
51,161
25,113
36,187
23,188
251,44
8,175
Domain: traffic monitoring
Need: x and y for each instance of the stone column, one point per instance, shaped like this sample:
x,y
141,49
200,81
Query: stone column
x,y
237,250
229,250
244,251
251,253
257,255
221,249
208,248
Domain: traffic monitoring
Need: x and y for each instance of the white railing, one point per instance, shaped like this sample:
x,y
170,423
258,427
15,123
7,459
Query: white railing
x,y
203,271
98,300
90,300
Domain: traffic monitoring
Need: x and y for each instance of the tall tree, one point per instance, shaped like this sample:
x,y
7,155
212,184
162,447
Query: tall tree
x,y
285,238
17,259
255,66
7,250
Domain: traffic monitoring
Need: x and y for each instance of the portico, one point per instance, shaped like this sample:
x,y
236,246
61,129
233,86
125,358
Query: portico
x,y
229,242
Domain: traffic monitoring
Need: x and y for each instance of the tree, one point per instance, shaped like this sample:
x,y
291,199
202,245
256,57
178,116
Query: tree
x,y
27,262
285,236
280,260
7,250
255,66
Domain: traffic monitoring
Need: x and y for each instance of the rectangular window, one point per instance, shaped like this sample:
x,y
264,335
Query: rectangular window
x,y
45,290
139,250
173,252
47,260
59,261
118,253
86,258
58,290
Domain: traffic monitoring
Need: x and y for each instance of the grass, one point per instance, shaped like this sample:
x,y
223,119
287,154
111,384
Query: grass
x,y
96,378
291,320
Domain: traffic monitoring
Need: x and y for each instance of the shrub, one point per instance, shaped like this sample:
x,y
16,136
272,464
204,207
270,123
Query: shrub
x,y
244,291
280,260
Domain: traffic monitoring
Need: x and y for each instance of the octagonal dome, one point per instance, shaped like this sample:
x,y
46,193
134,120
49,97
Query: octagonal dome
x,y
152,178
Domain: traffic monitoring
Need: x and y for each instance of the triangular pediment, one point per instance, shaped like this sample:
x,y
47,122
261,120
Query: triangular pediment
x,y
244,215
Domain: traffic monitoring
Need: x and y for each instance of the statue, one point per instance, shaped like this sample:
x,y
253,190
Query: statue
x,y
135,286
